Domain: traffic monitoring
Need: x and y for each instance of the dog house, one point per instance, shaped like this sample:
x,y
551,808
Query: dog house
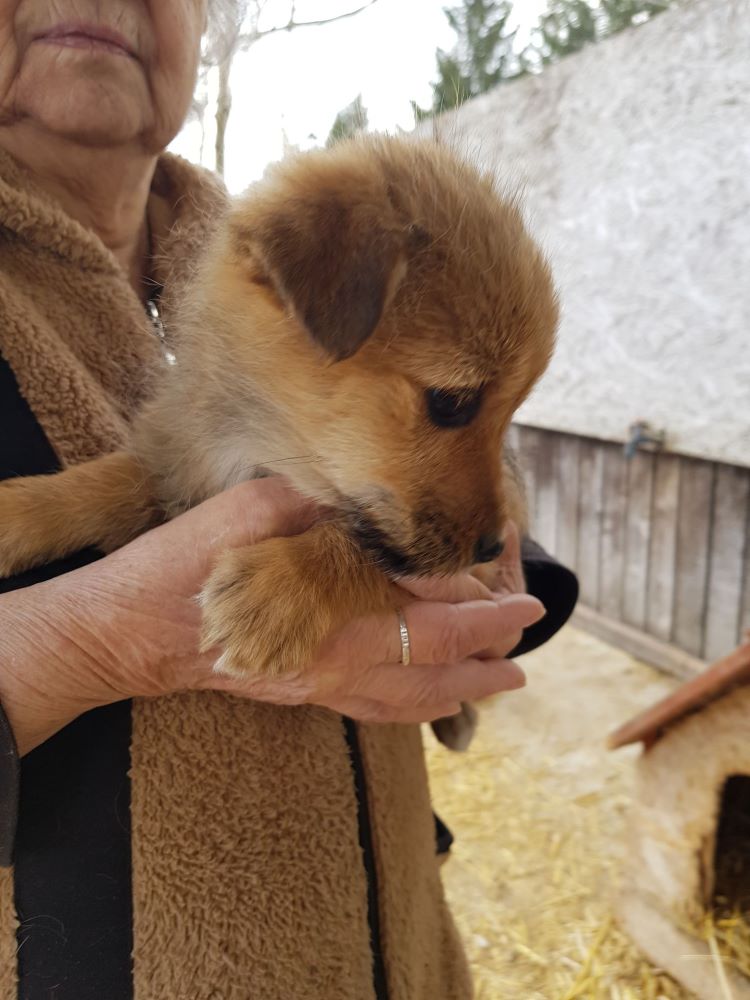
x,y
689,835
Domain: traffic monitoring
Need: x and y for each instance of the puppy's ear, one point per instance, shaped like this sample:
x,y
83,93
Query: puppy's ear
x,y
336,264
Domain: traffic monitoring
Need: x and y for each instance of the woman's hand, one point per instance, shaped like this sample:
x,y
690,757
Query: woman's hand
x,y
129,625
358,670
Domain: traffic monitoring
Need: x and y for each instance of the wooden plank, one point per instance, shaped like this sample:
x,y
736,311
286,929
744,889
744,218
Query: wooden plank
x,y
567,500
694,517
512,446
528,444
663,547
545,524
640,476
728,673
513,437
731,498
614,519
639,644
590,470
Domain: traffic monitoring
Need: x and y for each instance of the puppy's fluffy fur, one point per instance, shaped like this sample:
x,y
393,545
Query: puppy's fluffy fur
x,y
365,323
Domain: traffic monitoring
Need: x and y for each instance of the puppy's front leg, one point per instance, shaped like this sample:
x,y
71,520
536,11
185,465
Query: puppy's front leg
x,y
105,502
271,605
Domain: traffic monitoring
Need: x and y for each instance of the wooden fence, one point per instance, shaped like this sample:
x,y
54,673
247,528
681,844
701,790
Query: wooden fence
x,y
661,542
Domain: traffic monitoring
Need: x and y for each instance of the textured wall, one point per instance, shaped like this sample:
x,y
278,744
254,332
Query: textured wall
x,y
635,156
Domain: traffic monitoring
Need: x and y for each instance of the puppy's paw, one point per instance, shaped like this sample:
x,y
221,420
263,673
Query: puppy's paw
x,y
256,607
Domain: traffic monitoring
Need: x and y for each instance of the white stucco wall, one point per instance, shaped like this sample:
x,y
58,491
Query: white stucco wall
x,y
635,157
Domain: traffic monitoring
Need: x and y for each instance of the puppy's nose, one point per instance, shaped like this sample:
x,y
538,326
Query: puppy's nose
x,y
487,548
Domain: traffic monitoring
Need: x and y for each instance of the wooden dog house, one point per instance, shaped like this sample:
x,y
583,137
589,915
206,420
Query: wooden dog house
x,y
690,824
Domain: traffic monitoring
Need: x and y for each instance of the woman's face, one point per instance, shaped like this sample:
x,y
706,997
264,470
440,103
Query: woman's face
x,y
101,72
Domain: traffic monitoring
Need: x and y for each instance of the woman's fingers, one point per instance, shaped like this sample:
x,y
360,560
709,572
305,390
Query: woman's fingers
x,y
422,690
448,633
255,510
368,710
451,589
179,554
420,686
457,654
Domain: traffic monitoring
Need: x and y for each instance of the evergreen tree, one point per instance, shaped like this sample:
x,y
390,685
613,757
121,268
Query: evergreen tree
x,y
620,14
485,54
482,58
349,121
567,25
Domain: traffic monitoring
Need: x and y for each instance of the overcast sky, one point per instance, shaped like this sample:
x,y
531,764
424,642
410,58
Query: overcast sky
x,y
295,83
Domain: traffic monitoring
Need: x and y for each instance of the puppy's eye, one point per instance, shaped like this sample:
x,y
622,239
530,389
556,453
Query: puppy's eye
x,y
453,409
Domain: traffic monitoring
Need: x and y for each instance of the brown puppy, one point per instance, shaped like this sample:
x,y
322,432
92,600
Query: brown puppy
x,y
365,323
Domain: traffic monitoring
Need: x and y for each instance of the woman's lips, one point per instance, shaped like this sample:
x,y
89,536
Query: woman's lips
x,y
86,36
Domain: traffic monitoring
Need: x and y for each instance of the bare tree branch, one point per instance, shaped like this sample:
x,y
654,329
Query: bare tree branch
x,y
250,38
242,41
223,109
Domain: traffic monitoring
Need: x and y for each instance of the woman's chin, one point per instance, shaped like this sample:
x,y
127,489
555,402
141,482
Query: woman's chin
x,y
85,108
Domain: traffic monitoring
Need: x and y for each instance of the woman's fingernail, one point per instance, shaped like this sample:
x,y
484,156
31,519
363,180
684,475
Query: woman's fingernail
x,y
516,676
528,608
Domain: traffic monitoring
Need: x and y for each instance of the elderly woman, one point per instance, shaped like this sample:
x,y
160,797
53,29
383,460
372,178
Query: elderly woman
x,y
175,835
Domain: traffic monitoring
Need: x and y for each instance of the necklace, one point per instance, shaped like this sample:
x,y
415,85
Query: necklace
x,y
152,302
152,308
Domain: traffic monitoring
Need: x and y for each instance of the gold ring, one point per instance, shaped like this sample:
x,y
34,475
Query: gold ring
x,y
405,643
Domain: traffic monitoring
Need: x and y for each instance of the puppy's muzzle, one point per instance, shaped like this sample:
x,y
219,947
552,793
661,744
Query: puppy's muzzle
x,y
427,553
390,557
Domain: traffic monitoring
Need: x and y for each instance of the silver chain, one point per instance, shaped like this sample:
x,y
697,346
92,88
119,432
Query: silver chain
x,y
152,308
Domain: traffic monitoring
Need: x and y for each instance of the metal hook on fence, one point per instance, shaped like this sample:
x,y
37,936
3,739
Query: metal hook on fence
x,y
643,436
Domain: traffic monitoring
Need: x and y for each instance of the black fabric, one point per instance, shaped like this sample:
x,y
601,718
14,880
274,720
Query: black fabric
x,y
72,862
72,844
379,980
443,836
10,773
556,587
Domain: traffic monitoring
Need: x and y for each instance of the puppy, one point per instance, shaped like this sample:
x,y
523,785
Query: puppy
x,y
366,322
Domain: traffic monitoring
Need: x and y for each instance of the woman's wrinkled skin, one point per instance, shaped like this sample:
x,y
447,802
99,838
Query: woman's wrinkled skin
x,y
105,75
89,116
129,626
